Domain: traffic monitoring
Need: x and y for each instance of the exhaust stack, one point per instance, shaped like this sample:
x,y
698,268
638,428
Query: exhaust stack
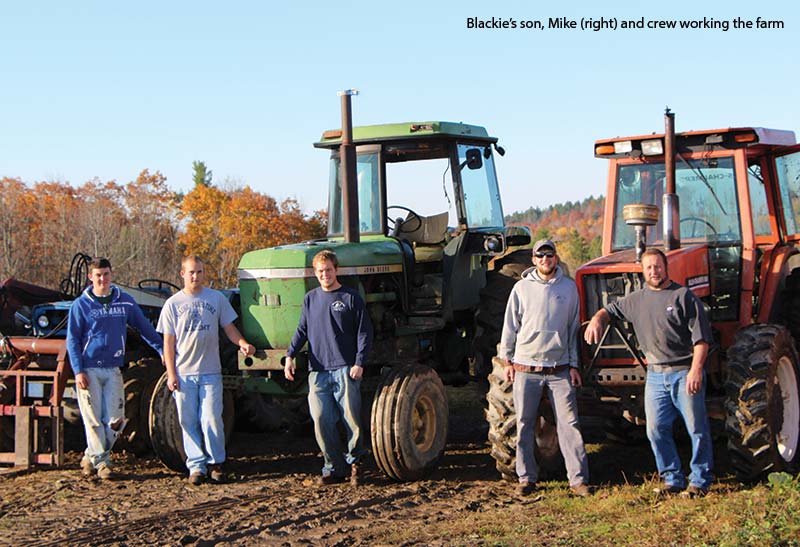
x,y
347,157
670,204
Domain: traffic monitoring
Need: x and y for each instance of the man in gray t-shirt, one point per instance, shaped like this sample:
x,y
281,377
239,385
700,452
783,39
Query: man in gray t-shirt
x,y
673,330
190,322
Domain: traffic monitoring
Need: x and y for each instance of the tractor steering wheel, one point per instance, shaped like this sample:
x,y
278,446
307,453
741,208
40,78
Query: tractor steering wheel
x,y
695,222
402,228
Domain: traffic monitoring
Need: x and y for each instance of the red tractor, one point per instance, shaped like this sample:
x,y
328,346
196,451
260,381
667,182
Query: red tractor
x,y
724,205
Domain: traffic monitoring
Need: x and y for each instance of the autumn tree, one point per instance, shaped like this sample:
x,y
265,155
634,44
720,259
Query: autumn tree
x,y
222,225
16,217
148,239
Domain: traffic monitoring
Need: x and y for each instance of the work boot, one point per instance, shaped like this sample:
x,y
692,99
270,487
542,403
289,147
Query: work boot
x,y
355,474
328,479
666,490
87,469
524,488
694,492
196,478
105,472
217,474
580,490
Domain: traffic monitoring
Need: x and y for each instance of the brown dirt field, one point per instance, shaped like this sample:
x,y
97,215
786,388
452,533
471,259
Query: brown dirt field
x,y
273,499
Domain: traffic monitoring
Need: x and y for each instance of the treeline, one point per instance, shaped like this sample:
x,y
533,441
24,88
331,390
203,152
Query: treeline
x,y
575,227
143,227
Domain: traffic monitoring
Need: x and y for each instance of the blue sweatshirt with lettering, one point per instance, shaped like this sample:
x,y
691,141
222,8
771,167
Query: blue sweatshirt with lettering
x,y
96,333
337,328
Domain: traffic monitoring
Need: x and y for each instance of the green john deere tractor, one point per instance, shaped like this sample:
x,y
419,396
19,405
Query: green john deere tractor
x,y
418,257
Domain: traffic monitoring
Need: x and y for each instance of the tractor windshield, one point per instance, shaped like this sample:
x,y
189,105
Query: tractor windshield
x,y
369,203
481,193
706,188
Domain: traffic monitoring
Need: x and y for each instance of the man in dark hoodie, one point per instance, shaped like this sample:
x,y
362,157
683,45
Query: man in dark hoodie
x,y
96,336
540,347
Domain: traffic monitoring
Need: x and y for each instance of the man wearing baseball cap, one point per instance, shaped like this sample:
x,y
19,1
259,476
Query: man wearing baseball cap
x,y
540,347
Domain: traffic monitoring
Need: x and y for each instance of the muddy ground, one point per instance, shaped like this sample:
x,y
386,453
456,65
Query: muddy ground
x,y
273,499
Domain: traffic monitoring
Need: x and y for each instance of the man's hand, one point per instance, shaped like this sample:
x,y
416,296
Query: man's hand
x,y
594,330
508,371
289,368
82,380
246,348
172,382
694,381
356,372
575,377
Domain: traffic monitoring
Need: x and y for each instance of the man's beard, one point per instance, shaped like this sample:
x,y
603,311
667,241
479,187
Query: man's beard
x,y
544,270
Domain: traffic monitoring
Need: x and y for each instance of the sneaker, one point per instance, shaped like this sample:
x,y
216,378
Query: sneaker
x,y
87,469
581,490
694,492
355,474
196,478
106,473
524,488
217,474
325,480
666,490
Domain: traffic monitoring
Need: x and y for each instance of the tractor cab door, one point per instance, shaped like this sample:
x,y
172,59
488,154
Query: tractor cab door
x,y
787,171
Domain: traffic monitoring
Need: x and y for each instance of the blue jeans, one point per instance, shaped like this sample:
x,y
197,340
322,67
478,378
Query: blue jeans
x,y
527,391
199,402
665,398
333,395
101,404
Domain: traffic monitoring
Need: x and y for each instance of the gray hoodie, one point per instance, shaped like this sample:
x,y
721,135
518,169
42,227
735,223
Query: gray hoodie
x,y
541,322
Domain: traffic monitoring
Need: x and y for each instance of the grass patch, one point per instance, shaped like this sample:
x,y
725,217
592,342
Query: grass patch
x,y
628,515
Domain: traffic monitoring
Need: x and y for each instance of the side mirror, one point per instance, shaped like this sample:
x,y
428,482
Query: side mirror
x,y
474,160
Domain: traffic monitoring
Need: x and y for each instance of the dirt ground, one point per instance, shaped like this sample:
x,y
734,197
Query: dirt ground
x,y
273,499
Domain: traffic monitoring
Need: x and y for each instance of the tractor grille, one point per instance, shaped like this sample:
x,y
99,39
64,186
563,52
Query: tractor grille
x,y
603,289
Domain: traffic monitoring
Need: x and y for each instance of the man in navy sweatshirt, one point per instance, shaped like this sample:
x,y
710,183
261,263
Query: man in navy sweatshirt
x,y
335,323
96,335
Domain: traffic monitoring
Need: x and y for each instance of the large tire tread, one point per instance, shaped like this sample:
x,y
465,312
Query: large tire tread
x,y
405,391
753,405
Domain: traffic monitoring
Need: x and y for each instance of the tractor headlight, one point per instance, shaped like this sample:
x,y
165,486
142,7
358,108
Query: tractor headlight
x,y
652,147
43,321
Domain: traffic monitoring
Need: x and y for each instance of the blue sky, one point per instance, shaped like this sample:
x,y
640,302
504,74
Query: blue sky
x,y
106,89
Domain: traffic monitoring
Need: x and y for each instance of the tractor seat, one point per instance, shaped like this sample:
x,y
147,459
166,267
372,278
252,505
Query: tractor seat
x,y
428,240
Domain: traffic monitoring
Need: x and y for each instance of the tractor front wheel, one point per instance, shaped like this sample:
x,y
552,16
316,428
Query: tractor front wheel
x,y
408,424
165,429
763,401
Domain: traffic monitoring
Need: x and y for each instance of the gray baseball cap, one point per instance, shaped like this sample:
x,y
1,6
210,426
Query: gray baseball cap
x,y
542,243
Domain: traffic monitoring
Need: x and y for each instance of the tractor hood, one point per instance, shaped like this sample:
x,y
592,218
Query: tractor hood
x,y
377,254
273,282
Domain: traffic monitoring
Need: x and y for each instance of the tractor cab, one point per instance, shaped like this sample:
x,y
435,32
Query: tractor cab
x,y
422,183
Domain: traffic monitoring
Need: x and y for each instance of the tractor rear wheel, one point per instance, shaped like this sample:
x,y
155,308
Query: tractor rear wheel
x,y
503,429
165,429
408,423
763,402
494,297
139,380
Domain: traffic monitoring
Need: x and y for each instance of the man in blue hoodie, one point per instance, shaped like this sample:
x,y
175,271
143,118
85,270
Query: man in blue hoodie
x,y
96,336
540,347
